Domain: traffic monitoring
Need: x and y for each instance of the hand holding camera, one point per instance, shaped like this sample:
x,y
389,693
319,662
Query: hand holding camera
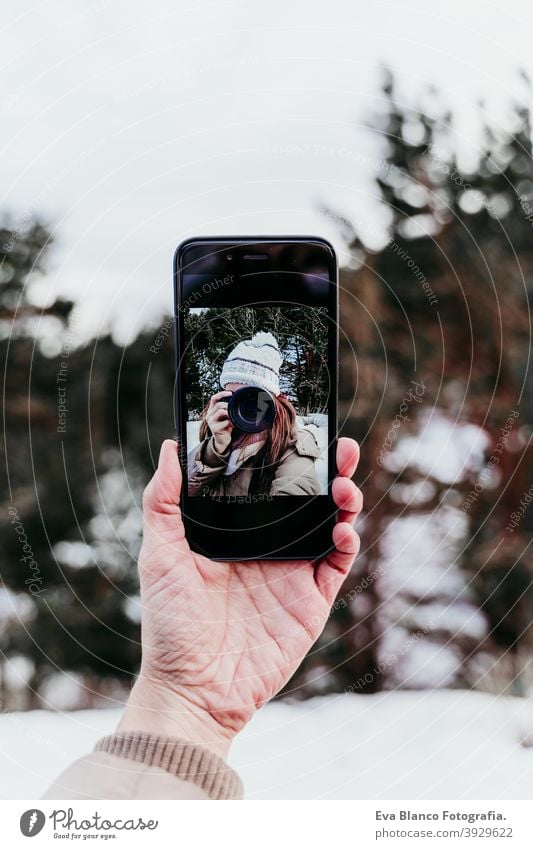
x,y
250,409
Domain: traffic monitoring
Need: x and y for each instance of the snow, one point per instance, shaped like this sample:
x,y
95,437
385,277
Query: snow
x,y
15,606
417,552
460,618
62,691
193,430
443,448
425,664
421,586
449,744
74,554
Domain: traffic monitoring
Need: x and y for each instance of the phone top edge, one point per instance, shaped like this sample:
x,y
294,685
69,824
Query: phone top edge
x,y
250,240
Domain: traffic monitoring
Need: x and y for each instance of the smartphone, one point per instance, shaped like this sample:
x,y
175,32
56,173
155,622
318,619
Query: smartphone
x,y
256,322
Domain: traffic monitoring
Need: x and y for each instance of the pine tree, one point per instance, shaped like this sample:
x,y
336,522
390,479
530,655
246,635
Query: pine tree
x,y
444,304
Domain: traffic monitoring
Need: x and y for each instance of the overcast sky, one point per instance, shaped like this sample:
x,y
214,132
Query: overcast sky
x,y
133,125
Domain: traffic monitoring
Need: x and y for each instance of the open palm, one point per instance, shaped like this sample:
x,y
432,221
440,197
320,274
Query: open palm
x,y
219,638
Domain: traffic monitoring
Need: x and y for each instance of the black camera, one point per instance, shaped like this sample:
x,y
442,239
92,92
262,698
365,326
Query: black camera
x,y
252,409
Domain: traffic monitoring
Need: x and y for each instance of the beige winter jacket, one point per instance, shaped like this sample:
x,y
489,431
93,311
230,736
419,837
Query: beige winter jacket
x,y
231,473
137,765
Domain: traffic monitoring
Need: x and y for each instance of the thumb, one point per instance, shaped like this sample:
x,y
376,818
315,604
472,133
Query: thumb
x,y
162,494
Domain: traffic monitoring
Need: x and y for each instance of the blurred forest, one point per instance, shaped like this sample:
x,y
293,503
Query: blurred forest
x,y
435,330
302,336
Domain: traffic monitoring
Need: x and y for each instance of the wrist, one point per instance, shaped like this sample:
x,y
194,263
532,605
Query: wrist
x,y
221,444
157,709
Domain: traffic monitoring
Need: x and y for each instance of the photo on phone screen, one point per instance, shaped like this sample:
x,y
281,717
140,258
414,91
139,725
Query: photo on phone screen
x,y
259,382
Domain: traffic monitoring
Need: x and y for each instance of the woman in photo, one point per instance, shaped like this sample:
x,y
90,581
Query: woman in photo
x,y
279,460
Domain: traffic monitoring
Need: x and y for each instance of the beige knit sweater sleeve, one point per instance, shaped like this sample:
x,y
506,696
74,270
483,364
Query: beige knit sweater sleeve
x,y
146,766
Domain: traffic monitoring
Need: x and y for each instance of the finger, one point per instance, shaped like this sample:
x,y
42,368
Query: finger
x,y
164,539
347,516
216,409
220,405
213,401
347,496
219,395
162,494
346,543
332,570
347,456
219,416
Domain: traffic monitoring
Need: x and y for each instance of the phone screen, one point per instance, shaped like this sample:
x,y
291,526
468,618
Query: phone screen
x,y
256,395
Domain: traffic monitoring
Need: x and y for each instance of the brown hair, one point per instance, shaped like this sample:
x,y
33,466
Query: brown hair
x,y
279,437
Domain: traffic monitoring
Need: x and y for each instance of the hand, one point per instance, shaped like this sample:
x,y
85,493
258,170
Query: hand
x,y
219,422
220,639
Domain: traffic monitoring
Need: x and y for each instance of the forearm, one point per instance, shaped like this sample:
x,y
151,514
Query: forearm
x,y
143,766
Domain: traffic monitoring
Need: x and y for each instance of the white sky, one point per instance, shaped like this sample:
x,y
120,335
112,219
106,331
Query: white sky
x,y
133,125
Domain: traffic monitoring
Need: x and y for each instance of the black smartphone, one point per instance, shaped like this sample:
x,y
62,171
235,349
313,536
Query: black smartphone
x,y
256,323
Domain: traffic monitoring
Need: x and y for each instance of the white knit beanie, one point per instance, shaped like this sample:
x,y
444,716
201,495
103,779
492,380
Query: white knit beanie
x,y
255,362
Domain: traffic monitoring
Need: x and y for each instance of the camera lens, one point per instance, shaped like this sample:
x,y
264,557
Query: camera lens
x,y
252,409
229,256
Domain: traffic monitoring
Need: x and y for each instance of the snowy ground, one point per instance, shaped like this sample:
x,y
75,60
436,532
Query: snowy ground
x,y
432,745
